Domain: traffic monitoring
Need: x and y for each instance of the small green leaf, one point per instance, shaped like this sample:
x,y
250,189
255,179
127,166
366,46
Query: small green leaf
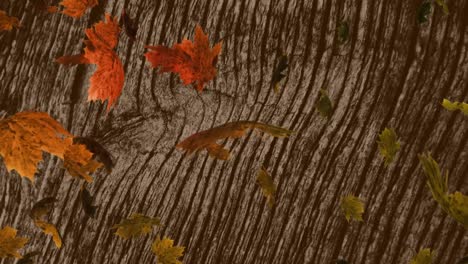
x,y
268,186
444,6
423,257
453,106
424,12
352,207
388,145
343,32
166,252
324,104
136,225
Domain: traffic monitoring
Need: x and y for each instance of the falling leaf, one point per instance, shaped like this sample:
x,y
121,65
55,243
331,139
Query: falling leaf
x,y
444,6
455,204
8,22
193,61
463,260
79,161
24,136
100,153
166,252
50,229
268,186
129,24
324,104
207,139
343,32
87,202
136,225
278,74
388,145
27,258
424,12
42,207
108,80
10,244
452,106
352,207
423,257
76,8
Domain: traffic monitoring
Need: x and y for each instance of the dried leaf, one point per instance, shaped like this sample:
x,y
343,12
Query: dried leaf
x,y
424,12
42,208
136,225
444,6
343,32
166,252
27,258
87,202
268,186
8,22
50,229
423,257
76,8
207,139
455,204
193,61
10,243
100,153
452,106
324,104
108,80
388,145
24,136
79,161
129,24
352,207
278,74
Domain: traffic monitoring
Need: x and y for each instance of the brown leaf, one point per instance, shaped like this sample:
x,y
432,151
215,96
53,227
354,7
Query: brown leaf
x,y
10,244
76,8
8,22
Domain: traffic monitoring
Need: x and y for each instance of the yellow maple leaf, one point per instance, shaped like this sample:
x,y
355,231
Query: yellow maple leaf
x,y
268,186
10,244
136,225
166,252
352,207
423,257
8,22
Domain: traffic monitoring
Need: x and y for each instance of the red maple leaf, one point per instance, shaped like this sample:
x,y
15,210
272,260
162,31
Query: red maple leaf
x,y
194,61
108,80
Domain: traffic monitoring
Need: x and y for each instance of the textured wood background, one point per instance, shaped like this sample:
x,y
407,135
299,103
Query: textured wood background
x,y
392,72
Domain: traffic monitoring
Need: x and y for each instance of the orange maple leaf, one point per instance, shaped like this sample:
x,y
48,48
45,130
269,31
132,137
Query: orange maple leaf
x,y
194,61
8,22
76,8
24,136
108,80
207,139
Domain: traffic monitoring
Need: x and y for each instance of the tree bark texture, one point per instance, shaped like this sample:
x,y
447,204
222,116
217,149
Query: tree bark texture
x,y
392,72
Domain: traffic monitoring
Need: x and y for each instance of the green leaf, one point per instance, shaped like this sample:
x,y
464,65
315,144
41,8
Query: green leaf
x,y
423,257
388,145
456,204
166,252
444,6
453,106
352,207
268,186
424,12
324,104
136,225
343,32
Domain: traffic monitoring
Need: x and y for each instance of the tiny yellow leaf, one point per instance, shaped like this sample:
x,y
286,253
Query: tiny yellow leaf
x,y
388,145
453,106
352,207
10,244
136,225
423,257
166,252
324,104
268,186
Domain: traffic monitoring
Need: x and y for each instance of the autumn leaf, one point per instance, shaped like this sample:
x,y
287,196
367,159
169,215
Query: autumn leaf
x,y
453,106
207,139
352,207
50,229
79,161
343,32
278,74
76,8
87,202
136,225
424,12
444,6
193,61
166,252
99,152
324,105
129,25
108,80
455,204
8,22
27,258
423,257
267,185
388,145
10,243
42,208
